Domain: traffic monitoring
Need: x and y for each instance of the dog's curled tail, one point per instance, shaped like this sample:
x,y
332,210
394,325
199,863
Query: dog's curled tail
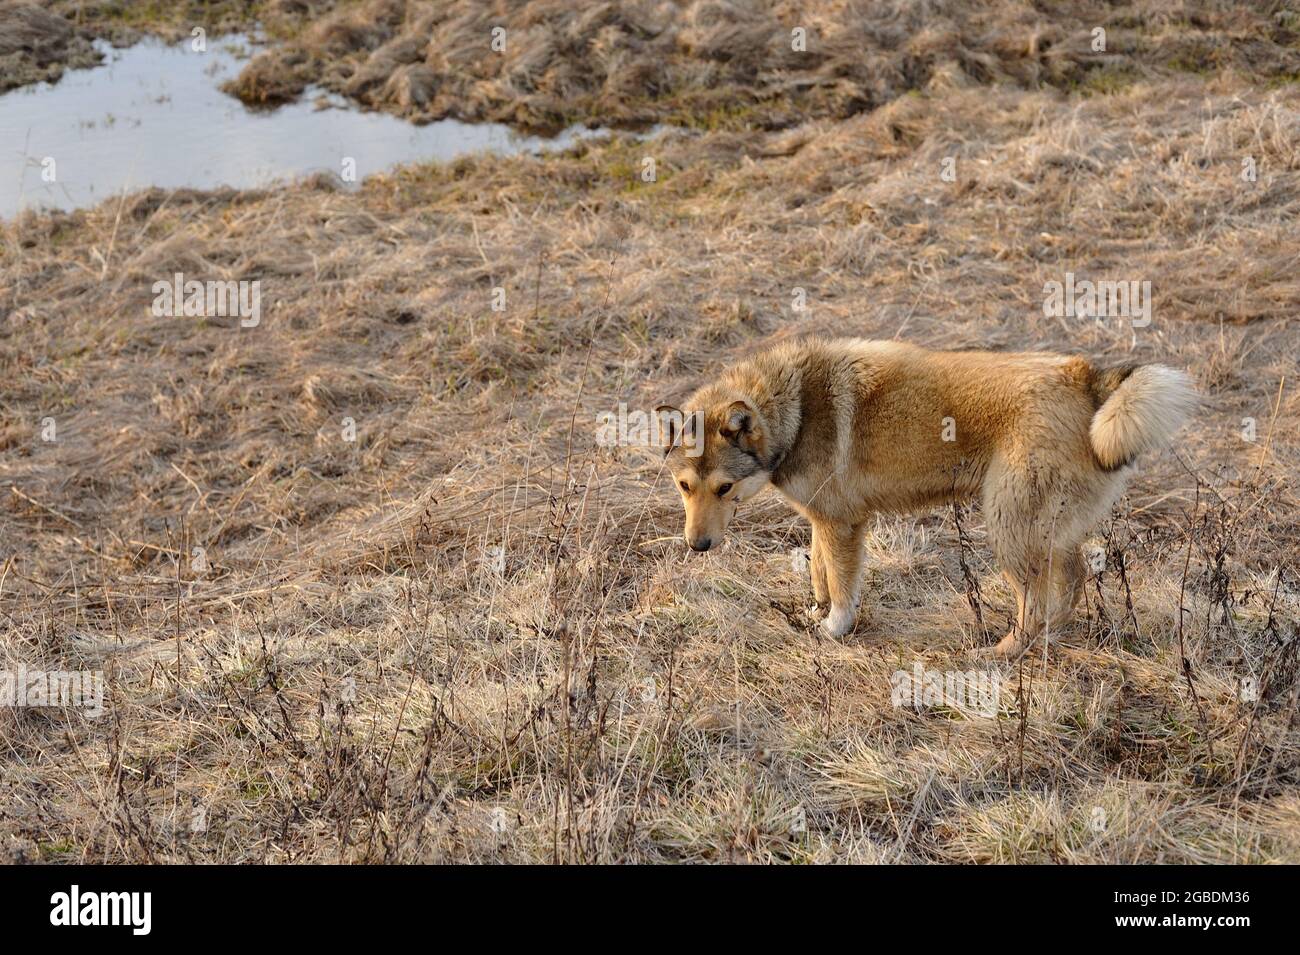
x,y
1141,409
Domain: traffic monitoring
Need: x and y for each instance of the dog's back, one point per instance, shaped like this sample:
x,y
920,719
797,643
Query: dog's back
x,y
924,426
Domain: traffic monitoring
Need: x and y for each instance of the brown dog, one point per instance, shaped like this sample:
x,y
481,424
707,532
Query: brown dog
x,y
849,427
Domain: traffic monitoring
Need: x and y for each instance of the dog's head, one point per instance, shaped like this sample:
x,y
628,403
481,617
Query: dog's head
x,y
718,454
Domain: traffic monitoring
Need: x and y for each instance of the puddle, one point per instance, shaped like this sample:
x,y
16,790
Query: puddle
x,y
153,115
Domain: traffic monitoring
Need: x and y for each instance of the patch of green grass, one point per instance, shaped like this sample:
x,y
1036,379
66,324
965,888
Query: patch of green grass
x,y
1281,80
732,116
1199,62
56,851
1107,81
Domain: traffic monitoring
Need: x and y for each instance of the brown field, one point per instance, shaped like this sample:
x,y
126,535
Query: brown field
x,y
471,634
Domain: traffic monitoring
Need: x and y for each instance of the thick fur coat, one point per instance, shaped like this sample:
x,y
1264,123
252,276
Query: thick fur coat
x,y
847,428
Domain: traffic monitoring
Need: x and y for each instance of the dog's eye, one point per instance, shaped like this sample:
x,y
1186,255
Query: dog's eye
x,y
685,487
723,490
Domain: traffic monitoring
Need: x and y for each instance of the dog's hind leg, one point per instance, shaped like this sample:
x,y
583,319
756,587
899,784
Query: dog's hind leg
x,y
842,557
1047,588
1035,528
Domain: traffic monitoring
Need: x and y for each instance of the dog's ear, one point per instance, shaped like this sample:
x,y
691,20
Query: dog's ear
x,y
740,426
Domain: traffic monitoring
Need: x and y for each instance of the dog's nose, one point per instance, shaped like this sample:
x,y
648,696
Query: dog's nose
x,y
701,545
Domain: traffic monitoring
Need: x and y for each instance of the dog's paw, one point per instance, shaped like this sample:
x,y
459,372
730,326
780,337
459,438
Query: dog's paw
x,y
1010,649
839,621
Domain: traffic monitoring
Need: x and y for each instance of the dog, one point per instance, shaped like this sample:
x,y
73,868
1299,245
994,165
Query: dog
x,y
846,428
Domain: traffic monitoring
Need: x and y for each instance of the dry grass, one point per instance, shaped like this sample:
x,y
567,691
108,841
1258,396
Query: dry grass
x,y
598,694
732,63
699,63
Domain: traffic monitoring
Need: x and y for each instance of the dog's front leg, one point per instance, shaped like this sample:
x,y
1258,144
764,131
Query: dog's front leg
x,y
842,558
817,566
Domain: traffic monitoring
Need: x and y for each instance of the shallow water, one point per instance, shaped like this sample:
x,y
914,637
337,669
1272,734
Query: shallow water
x,y
153,115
